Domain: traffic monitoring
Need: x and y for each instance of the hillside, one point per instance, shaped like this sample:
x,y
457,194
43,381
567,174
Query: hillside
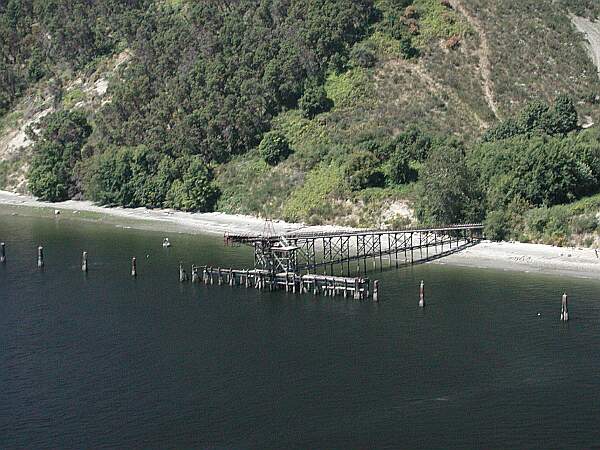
x,y
323,111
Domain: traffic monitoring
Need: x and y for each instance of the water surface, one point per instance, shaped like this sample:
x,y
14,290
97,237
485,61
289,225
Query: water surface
x,y
106,361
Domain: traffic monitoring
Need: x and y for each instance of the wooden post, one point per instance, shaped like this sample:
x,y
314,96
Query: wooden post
x,y
356,289
40,256
564,314
133,267
247,278
231,278
2,252
422,295
84,262
376,290
211,278
182,274
219,276
195,277
345,288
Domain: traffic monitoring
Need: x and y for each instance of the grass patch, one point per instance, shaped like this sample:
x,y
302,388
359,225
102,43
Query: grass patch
x,y
350,88
10,120
8,168
439,22
73,97
312,201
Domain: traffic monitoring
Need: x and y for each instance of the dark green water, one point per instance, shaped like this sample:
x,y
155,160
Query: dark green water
x,y
107,361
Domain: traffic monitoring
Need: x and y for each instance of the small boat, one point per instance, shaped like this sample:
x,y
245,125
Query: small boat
x,y
166,243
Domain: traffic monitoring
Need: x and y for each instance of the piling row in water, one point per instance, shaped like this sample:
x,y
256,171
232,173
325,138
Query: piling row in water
x,y
330,286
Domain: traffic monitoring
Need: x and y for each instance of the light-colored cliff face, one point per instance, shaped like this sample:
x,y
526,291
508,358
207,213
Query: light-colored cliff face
x,y
81,92
591,30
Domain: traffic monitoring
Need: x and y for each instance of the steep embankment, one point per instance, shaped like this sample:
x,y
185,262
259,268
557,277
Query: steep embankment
x,y
483,53
81,91
591,30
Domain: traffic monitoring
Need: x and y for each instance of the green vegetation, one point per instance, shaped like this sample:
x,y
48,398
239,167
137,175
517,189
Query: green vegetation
x,y
57,154
328,111
274,148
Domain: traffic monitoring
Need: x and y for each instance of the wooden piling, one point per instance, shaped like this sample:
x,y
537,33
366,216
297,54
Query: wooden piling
x,y
356,289
195,276
376,290
247,274
133,267
182,274
40,261
84,262
231,278
422,295
2,252
564,314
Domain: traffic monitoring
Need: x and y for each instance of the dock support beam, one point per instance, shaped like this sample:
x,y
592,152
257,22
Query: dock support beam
x,y
2,252
133,267
564,314
84,262
376,291
422,295
40,261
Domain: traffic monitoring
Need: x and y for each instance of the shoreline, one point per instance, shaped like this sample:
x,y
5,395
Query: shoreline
x,y
506,256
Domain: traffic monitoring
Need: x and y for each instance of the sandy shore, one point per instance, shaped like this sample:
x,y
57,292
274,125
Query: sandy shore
x,y
156,219
514,256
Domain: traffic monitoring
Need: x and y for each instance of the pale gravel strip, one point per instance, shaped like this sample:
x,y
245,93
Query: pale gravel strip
x,y
214,223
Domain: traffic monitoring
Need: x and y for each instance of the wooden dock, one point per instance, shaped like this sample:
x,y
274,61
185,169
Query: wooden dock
x,y
358,288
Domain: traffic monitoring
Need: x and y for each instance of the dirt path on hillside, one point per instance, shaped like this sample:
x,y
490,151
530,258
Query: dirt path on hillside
x,y
483,53
591,30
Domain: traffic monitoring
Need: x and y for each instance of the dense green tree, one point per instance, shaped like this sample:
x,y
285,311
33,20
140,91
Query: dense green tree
x,y
363,170
448,191
314,101
363,55
541,170
537,118
56,153
194,190
274,148
399,170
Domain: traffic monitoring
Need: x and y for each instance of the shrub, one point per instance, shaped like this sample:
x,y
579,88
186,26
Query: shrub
x,y
274,148
363,55
448,189
314,101
56,152
194,191
497,226
587,223
399,170
363,170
